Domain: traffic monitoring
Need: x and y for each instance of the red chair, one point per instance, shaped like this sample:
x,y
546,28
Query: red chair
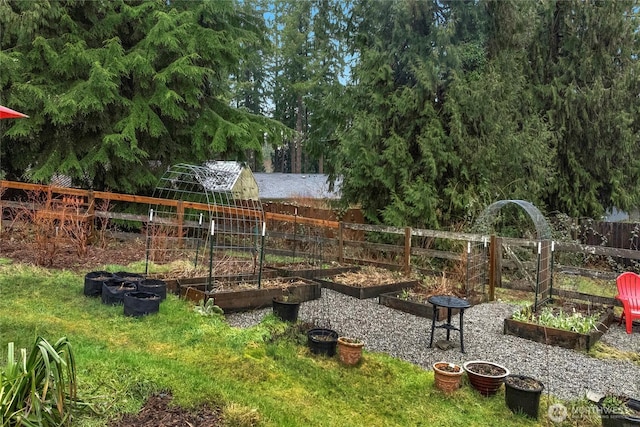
x,y
629,295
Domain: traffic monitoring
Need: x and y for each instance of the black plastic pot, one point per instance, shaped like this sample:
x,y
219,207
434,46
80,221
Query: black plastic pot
x,y
286,310
619,420
610,419
93,282
113,291
322,341
141,303
155,286
520,398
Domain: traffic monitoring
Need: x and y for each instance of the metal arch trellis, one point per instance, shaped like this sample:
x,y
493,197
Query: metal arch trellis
x,y
545,248
485,221
216,226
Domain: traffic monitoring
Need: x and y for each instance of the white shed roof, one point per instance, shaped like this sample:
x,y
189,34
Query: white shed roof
x,y
274,186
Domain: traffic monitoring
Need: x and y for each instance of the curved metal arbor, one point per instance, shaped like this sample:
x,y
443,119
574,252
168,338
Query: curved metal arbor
x,y
216,222
485,221
543,281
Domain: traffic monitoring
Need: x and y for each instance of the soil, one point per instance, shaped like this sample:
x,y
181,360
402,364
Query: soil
x,y
158,412
524,383
447,367
486,369
20,246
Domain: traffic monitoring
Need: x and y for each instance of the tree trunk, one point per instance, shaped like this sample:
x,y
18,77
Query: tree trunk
x,y
299,136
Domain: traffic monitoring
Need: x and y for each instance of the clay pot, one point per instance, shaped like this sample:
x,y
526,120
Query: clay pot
x,y
447,376
349,350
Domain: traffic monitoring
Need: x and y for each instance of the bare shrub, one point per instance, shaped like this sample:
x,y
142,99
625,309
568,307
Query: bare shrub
x,y
75,223
102,222
45,230
159,236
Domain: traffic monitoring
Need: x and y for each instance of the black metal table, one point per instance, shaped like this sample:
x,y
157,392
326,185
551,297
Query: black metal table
x,y
450,303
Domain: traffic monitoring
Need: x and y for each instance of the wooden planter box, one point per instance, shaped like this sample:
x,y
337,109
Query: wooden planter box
x,y
364,292
558,337
175,285
313,273
251,299
421,309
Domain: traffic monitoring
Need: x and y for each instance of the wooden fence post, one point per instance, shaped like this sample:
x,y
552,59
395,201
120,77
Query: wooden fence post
x,y
91,210
340,244
407,250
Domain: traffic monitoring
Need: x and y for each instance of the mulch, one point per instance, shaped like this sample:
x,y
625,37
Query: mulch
x,y
158,412
20,246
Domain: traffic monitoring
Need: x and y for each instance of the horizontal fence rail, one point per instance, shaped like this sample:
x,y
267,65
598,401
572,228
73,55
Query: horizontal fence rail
x,y
331,240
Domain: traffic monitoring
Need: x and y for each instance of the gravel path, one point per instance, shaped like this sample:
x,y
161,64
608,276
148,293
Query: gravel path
x,y
566,374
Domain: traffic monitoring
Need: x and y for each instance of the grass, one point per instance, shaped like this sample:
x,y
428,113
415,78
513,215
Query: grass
x,y
586,285
602,351
256,379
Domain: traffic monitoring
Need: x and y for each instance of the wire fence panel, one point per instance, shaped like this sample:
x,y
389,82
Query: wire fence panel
x,y
477,269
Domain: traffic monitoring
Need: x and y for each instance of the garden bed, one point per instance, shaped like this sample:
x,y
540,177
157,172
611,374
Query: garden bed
x,y
233,297
419,307
561,337
368,282
177,285
310,272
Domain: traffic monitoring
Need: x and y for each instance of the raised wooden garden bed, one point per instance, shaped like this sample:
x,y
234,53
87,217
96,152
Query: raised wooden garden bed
x,y
241,299
176,285
364,292
311,272
559,337
418,308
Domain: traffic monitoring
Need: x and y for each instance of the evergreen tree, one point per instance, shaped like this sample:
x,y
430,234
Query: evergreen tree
x,y
118,91
585,69
307,65
395,153
504,146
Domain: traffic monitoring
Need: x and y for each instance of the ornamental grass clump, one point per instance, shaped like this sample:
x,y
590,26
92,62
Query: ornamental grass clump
x,y
39,388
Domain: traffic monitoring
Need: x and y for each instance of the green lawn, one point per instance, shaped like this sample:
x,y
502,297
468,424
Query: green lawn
x,y
256,379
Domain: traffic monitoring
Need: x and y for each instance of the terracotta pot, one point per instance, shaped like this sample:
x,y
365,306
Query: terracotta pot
x,y
448,376
349,352
486,377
